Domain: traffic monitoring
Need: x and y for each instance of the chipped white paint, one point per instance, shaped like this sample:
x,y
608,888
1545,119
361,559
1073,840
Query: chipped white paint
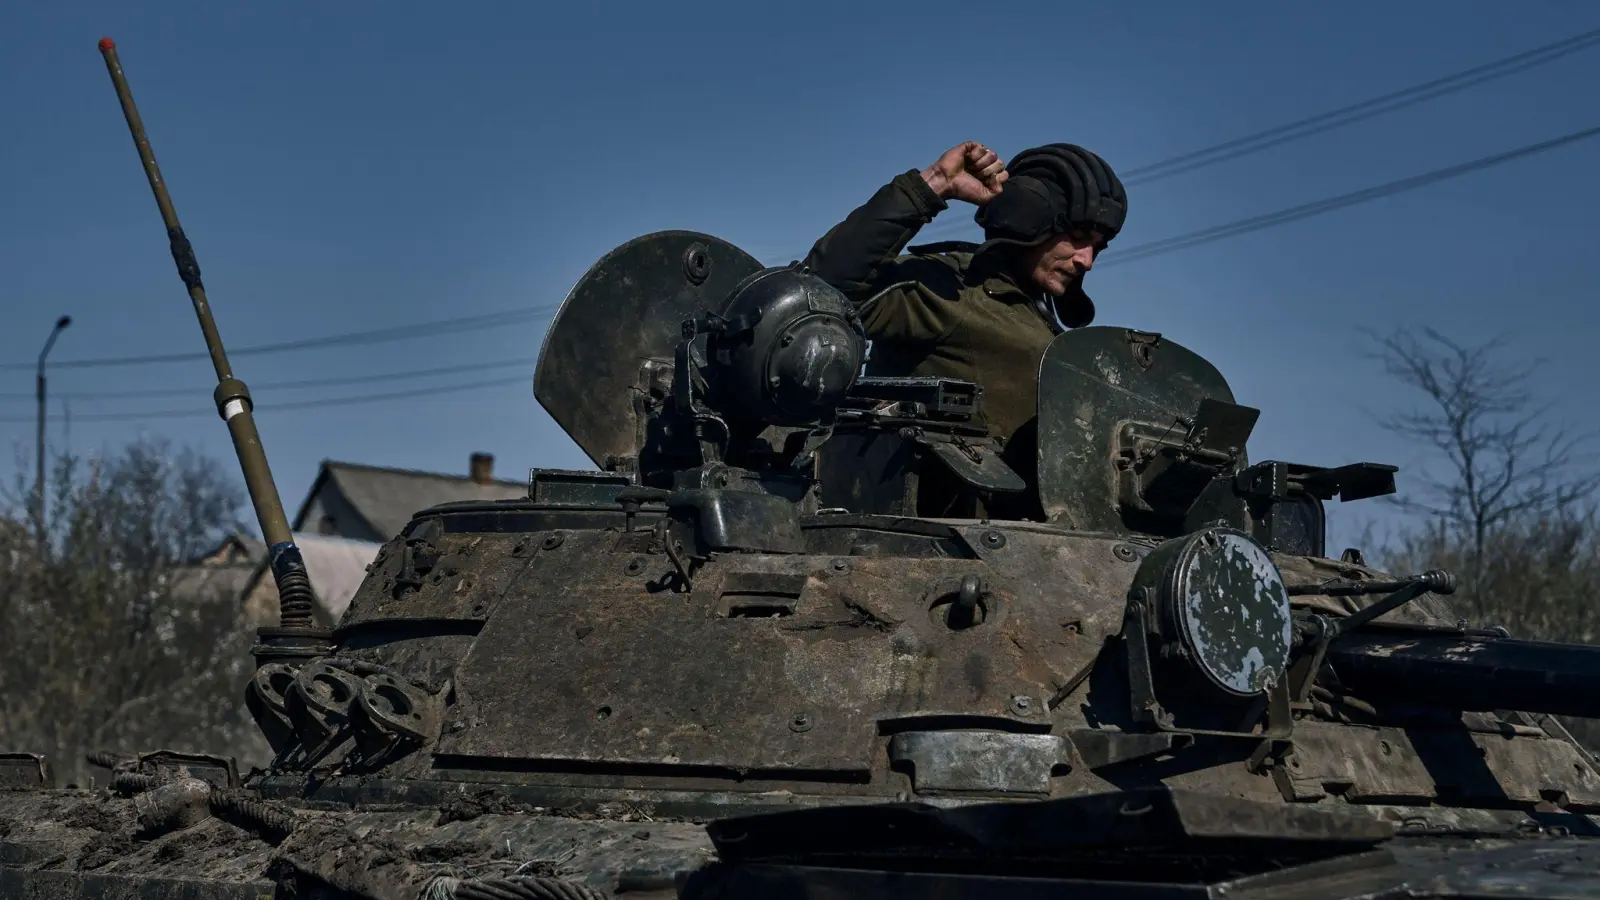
x,y
1235,613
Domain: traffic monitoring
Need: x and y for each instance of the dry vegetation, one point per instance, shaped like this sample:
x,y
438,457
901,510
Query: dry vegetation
x,y
1513,515
110,643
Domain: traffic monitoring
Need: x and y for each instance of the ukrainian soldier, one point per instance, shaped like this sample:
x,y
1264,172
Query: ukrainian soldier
x,y
981,312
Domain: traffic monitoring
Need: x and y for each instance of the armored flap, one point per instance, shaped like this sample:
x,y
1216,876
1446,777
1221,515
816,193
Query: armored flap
x,y
619,673
1092,382
975,461
767,663
626,311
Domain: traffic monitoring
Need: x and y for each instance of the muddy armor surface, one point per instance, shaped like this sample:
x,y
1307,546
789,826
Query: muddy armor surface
x,y
728,662
731,661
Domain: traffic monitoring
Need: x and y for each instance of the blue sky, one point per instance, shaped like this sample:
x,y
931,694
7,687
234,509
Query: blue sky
x,y
350,166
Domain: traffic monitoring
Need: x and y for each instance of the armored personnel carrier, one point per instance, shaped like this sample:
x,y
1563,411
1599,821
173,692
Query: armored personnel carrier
x,y
775,644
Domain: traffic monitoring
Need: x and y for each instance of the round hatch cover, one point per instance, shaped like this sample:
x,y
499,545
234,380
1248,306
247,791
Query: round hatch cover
x,y
1228,604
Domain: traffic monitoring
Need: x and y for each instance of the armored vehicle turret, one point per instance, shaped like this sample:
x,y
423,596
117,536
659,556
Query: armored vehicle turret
x,y
773,645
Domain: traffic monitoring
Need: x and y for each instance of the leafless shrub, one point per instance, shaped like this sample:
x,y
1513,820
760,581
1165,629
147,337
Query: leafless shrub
x,y
117,637
1514,516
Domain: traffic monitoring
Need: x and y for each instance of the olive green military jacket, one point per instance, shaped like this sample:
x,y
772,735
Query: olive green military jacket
x,y
941,309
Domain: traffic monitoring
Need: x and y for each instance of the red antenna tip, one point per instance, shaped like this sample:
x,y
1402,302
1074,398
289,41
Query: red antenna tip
x,y
107,44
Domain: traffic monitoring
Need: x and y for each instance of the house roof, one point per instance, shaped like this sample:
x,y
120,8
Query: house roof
x,y
335,565
387,498
202,583
221,571
236,548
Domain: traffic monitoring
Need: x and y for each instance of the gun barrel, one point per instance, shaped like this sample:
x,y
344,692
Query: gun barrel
x,y
232,397
1468,671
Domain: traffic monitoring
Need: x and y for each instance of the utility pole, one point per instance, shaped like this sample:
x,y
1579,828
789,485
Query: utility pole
x,y
61,324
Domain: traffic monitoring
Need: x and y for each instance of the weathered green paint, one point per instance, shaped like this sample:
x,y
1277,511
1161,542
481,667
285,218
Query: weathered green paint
x,y
628,310
1090,381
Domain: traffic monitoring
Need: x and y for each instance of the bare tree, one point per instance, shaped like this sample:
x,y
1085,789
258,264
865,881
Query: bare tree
x,y
1514,513
116,640
1506,460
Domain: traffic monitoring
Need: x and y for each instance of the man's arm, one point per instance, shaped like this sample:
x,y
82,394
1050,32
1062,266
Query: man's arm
x,y
859,255
852,253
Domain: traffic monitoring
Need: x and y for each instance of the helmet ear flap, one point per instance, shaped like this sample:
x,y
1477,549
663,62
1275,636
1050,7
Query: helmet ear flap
x,y
1075,309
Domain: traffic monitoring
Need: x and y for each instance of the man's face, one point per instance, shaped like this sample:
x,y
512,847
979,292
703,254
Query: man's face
x,y
1058,263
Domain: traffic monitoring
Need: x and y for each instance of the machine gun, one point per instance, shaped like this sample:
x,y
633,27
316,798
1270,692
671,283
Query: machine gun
x,y
1454,667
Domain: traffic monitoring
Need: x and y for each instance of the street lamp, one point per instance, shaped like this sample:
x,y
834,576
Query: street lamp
x,y
61,324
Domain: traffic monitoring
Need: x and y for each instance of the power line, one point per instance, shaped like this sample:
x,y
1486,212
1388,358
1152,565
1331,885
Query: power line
x,y
350,338
1184,162
1356,112
303,404
1329,204
1142,251
1344,115
1306,210
1173,165
284,385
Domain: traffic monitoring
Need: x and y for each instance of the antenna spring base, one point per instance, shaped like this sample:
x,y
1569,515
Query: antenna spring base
x,y
295,598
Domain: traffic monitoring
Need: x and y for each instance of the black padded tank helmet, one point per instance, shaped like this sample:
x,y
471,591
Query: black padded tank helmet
x,y
1055,189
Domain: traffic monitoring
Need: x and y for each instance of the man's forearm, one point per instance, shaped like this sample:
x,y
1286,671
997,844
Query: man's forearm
x,y
875,232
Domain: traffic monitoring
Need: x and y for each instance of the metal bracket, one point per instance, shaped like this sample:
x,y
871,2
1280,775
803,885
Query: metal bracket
x,y
1272,713
670,544
1099,749
25,771
218,771
982,761
1316,632
1142,345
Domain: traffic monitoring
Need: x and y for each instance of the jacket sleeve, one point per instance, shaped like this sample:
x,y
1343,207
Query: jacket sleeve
x,y
861,257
